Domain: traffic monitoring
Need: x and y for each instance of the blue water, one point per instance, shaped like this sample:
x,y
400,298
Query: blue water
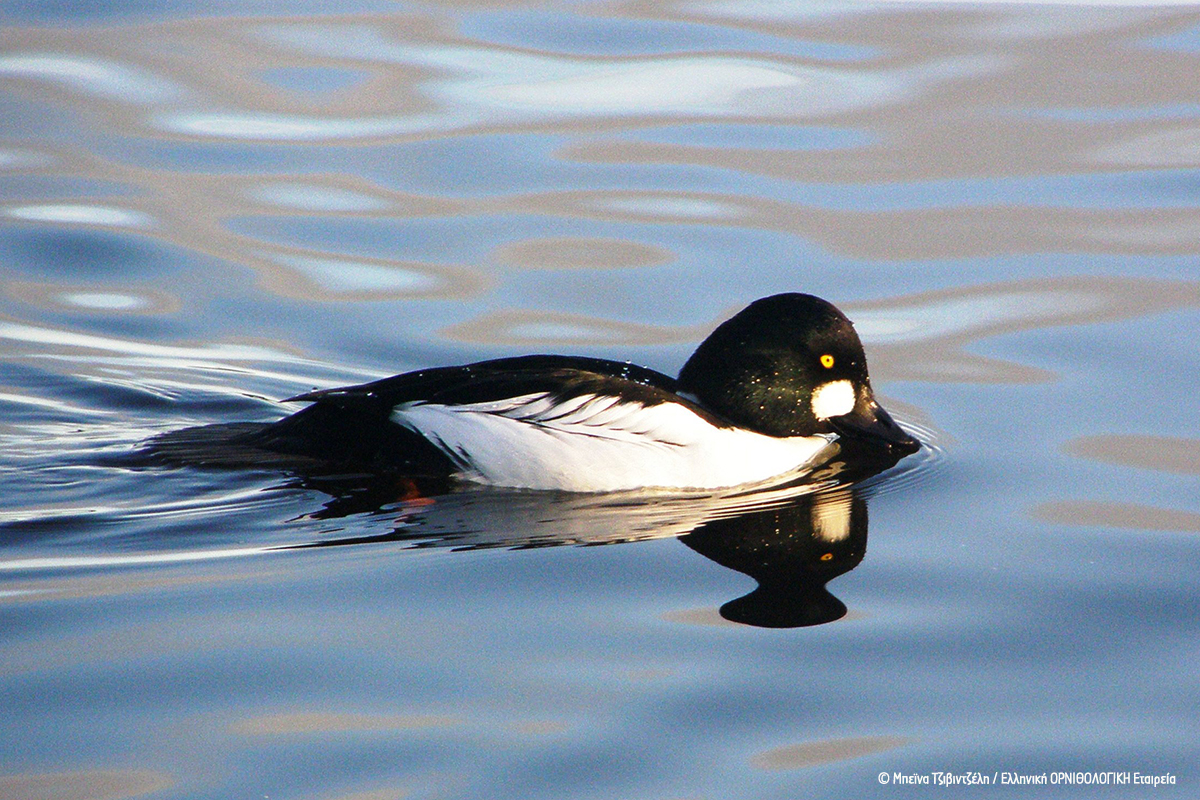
x,y
207,208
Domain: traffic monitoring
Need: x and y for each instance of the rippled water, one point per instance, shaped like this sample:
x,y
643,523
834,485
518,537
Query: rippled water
x,y
206,208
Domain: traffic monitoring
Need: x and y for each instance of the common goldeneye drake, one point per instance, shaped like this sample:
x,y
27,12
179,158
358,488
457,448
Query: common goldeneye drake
x,y
777,389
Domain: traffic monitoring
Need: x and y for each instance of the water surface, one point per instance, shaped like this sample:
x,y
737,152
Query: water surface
x,y
207,208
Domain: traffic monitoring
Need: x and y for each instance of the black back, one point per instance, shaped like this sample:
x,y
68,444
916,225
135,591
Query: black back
x,y
352,424
561,376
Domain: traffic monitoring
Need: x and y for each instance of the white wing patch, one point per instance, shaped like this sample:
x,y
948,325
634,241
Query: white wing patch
x,y
597,443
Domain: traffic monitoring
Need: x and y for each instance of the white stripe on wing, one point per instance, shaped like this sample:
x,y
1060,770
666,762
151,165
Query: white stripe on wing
x,y
601,443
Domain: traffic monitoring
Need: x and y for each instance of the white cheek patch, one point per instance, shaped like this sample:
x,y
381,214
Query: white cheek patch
x,y
833,399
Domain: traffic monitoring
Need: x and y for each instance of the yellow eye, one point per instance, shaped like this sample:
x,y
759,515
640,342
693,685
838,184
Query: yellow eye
x,y
827,361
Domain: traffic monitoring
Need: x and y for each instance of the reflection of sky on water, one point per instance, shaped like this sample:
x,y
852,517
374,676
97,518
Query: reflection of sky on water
x,y
1163,149
498,87
332,278
107,301
345,275
92,76
763,137
79,214
436,122
313,79
1187,40
766,10
16,332
311,197
597,34
687,209
20,159
954,316
1002,196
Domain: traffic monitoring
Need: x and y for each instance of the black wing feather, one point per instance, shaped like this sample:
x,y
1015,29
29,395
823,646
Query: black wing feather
x,y
352,424
485,381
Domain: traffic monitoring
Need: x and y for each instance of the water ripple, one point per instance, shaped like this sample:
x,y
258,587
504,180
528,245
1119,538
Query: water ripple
x,y
81,214
481,85
93,76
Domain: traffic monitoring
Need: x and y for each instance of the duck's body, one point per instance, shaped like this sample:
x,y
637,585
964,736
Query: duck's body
x,y
575,424
766,395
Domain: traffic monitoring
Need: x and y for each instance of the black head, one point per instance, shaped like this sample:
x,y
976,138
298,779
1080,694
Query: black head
x,y
792,365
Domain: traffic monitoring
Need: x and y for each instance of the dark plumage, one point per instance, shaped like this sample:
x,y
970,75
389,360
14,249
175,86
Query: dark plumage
x,y
766,393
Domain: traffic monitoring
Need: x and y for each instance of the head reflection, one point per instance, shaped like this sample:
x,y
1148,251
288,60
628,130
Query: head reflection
x,y
793,551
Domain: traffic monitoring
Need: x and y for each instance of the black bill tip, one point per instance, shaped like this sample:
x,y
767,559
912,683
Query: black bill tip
x,y
870,426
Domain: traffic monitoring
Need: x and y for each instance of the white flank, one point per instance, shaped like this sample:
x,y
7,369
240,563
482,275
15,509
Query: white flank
x,y
594,443
833,399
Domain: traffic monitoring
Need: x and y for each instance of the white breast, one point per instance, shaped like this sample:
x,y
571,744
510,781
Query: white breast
x,y
597,443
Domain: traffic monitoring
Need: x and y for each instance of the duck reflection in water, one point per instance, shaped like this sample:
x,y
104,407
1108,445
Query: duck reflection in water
x,y
791,539
793,551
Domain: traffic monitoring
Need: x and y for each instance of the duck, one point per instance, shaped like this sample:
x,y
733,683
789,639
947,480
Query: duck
x,y
774,391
